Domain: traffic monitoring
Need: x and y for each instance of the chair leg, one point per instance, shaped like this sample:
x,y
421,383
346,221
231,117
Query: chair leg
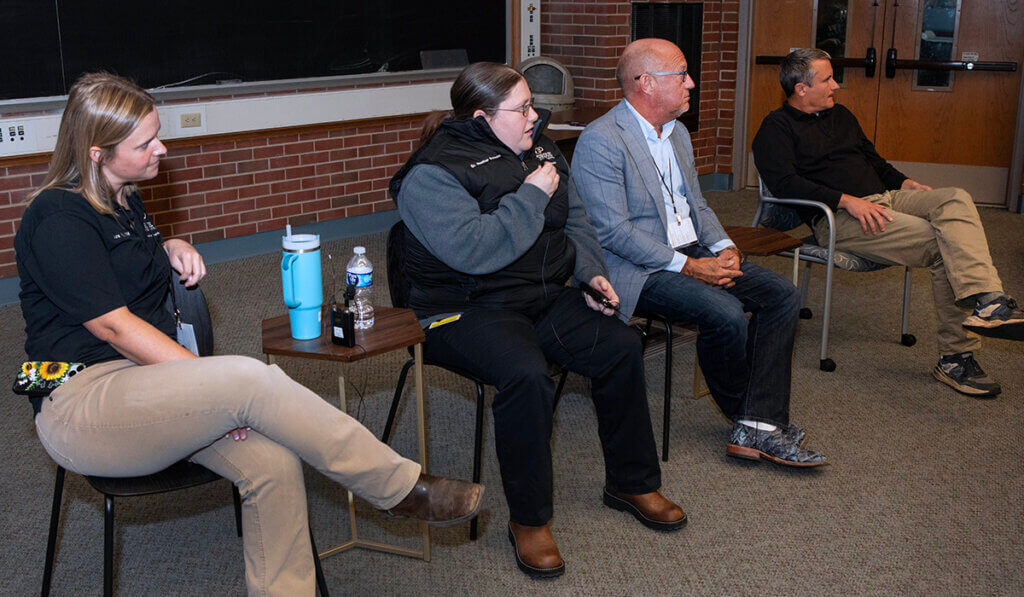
x,y
478,446
386,436
108,547
561,385
906,339
667,418
646,335
51,540
321,582
237,499
827,364
700,384
805,311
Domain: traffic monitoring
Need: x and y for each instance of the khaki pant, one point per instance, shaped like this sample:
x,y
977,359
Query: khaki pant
x,y
120,419
937,229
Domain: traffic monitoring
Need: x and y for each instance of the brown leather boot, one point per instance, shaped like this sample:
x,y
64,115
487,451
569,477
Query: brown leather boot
x,y
440,502
652,509
535,550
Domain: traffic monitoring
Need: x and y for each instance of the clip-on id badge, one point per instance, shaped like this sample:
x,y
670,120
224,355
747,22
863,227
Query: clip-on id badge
x,y
681,234
187,337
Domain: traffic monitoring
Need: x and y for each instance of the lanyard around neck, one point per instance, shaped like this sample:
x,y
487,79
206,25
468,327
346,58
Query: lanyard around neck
x,y
669,186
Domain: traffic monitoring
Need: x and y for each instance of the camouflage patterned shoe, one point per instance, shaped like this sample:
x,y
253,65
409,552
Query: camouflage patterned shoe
x,y
998,318
962,373
774,446
797,435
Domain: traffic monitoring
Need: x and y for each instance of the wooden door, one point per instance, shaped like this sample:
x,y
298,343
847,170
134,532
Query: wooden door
x,y
960,136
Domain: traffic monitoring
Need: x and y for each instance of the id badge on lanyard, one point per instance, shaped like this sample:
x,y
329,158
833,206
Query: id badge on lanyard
x,y
680,231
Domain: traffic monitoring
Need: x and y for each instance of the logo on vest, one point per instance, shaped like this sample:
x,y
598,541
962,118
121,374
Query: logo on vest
x,y
485,160
541,154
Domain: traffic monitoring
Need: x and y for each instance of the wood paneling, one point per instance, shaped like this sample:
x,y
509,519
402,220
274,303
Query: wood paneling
x,y
778,26
973,124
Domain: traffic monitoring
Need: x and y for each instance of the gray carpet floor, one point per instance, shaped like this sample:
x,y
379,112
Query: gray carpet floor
x,y
924,496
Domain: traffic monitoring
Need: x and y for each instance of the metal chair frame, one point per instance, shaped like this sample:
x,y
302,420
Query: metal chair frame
x,y
826,363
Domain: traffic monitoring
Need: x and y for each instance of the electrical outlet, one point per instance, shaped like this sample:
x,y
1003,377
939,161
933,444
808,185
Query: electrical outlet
x,y
191,120
17,137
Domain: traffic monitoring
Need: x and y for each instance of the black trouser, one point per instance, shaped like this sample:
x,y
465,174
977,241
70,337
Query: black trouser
x,y
510,351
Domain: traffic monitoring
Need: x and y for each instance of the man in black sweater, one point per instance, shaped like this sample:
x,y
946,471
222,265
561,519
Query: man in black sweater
x,y
812,148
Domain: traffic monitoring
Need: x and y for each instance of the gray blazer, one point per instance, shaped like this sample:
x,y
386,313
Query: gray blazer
x,y
621,190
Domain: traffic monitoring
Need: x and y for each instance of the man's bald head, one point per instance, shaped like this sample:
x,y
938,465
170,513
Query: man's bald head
x,y
644,56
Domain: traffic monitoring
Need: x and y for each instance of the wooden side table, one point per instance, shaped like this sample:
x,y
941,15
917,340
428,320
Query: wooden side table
x,y
393,329
766,241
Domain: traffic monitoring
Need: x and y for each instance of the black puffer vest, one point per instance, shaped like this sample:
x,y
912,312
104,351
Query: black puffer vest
x,y
489,170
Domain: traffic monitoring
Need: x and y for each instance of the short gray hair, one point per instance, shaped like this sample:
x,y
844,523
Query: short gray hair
x,y
796,68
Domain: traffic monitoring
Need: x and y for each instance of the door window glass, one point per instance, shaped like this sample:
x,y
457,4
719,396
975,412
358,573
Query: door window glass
x,y
939,20
830,29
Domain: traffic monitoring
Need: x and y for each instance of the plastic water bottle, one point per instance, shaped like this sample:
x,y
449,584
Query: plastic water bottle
x,y
359,273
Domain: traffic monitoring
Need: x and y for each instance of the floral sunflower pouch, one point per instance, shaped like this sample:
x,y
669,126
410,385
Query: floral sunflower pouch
x,y
39,378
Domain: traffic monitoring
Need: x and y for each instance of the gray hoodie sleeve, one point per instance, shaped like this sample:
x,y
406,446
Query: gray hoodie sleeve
x,y
443,216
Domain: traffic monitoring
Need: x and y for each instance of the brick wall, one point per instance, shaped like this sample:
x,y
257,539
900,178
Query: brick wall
x,y
588,37
226,189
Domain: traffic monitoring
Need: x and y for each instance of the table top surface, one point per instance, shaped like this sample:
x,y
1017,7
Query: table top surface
x,y
582,115
392,329
761,241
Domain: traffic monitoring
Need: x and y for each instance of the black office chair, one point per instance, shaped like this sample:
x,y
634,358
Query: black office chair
x,y
684,334
193,309
778,213
398,284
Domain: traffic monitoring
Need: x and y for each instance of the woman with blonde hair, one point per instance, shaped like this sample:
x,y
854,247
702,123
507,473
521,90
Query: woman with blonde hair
x,y
95,274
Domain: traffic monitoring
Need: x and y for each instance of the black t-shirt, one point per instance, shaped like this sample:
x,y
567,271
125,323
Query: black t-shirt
x,y
76,264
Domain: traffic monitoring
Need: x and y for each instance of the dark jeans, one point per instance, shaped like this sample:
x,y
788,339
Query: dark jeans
x,y
510,351
746,363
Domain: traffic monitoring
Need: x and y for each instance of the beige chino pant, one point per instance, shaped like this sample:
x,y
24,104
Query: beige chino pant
x,y
120,419
937,229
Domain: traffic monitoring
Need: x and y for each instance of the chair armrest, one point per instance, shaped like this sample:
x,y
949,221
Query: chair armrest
x,y
765,196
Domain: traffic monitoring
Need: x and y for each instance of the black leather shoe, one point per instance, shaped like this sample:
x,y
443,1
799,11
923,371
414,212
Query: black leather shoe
x,y
775,446
440,502
536,551
653,510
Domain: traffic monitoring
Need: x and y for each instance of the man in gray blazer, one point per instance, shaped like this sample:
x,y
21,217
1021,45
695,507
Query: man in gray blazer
x,y
667,253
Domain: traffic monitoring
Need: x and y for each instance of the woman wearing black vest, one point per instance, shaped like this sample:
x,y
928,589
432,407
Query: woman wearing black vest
x,y
495,230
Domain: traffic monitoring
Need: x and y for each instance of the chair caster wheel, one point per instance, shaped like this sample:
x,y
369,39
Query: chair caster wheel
x,y
908,340
827,365
805,313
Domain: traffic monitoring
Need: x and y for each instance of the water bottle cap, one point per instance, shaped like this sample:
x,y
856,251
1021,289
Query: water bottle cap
x,y
300,242
359,250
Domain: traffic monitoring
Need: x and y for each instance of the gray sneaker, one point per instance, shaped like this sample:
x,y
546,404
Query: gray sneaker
x,y
775,446
998,318
962,373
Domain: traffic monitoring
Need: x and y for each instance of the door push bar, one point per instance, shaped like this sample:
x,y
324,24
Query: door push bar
x,y
868,63
891,64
